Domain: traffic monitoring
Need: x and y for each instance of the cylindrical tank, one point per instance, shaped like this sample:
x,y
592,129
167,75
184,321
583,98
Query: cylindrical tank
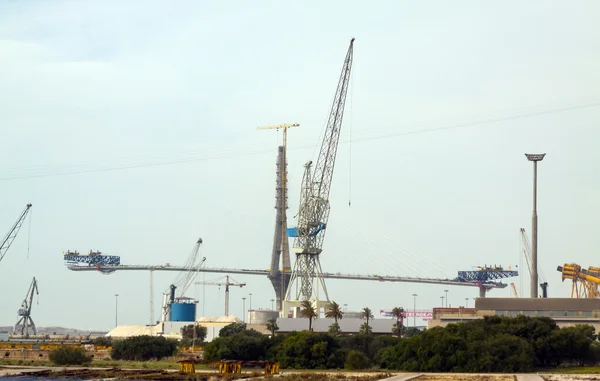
x,y
261,316
183,312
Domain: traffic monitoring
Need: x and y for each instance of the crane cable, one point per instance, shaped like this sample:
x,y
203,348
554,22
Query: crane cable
x,y
29,234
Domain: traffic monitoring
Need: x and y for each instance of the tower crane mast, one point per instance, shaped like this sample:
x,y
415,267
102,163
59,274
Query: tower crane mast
x,y
314,208
12,233
226,284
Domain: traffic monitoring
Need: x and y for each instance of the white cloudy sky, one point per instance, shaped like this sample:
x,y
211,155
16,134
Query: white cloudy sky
x,y
445,99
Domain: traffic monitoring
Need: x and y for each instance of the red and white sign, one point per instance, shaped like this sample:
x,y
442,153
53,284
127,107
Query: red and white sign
x,y
424,314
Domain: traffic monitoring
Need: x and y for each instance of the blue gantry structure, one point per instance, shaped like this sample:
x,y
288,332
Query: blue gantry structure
x,y
486,276
93,258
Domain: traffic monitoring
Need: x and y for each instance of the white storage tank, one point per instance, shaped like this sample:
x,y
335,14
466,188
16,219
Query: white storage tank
x,y
261,316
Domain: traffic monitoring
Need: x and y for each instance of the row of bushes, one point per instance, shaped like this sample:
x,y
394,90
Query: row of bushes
x,y
492,344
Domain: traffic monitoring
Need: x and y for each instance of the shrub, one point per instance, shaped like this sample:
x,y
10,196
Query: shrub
x,y
357,360
143,348
69,356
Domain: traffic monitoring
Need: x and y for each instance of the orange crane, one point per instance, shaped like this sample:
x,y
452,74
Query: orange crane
x,y
226,284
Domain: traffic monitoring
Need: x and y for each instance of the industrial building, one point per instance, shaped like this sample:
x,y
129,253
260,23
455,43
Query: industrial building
x,y
564,311
347,325
172,329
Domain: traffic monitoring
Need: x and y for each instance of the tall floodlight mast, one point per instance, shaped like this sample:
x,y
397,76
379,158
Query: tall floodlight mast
x,y
314,208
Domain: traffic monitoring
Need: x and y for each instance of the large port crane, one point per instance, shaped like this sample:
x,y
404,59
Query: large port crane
x,y
313,214
12,233
25,321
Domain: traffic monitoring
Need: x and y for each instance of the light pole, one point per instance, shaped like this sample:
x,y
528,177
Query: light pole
x,y
534,225
244,309
414,310
466,302
250,309
116,309
273,304
442,301
446,291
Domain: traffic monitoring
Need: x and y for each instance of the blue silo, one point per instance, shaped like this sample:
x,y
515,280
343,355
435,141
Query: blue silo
x,y
183,311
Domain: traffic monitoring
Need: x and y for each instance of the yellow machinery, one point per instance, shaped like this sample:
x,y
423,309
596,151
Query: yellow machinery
x,y
229,366
585,282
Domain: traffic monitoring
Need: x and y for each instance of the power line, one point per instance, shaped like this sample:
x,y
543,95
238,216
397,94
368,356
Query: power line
x,y
195,156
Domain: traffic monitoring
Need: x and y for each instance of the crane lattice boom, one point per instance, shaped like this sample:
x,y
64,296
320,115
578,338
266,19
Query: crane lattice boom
x,y
314,200
12,233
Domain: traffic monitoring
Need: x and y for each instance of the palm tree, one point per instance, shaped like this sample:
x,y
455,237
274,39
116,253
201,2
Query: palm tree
x,y
398,313
308,311
334,311
368,315
272,326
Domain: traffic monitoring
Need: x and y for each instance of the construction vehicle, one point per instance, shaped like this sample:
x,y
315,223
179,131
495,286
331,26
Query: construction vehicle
x,y
25,321
12,233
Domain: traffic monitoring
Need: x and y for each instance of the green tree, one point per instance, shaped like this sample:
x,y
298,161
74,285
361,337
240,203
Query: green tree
x,y
69,356
143,348
357,360
232,329
368,315
308,311
334,329
194,332
398,328
103,341
272,326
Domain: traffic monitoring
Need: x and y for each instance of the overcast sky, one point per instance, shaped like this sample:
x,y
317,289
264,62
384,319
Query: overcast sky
x,y
445,99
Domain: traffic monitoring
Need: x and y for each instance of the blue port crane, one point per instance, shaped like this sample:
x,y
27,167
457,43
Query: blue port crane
x,y
485,276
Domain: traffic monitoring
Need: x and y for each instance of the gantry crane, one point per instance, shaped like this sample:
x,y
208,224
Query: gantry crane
x,y
226,284
314,208
12,233
280,279
25,321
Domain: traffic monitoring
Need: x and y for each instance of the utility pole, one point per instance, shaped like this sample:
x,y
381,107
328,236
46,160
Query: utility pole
x,y
414,310
250,309
116,309
534,229
244,309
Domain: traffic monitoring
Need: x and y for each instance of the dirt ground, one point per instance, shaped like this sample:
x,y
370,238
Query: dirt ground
x,y
465,377
571,377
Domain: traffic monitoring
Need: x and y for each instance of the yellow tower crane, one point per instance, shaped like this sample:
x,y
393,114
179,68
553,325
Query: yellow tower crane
x,y
285,267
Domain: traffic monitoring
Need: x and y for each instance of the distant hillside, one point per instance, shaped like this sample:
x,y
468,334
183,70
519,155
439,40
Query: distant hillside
x,y
53,331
